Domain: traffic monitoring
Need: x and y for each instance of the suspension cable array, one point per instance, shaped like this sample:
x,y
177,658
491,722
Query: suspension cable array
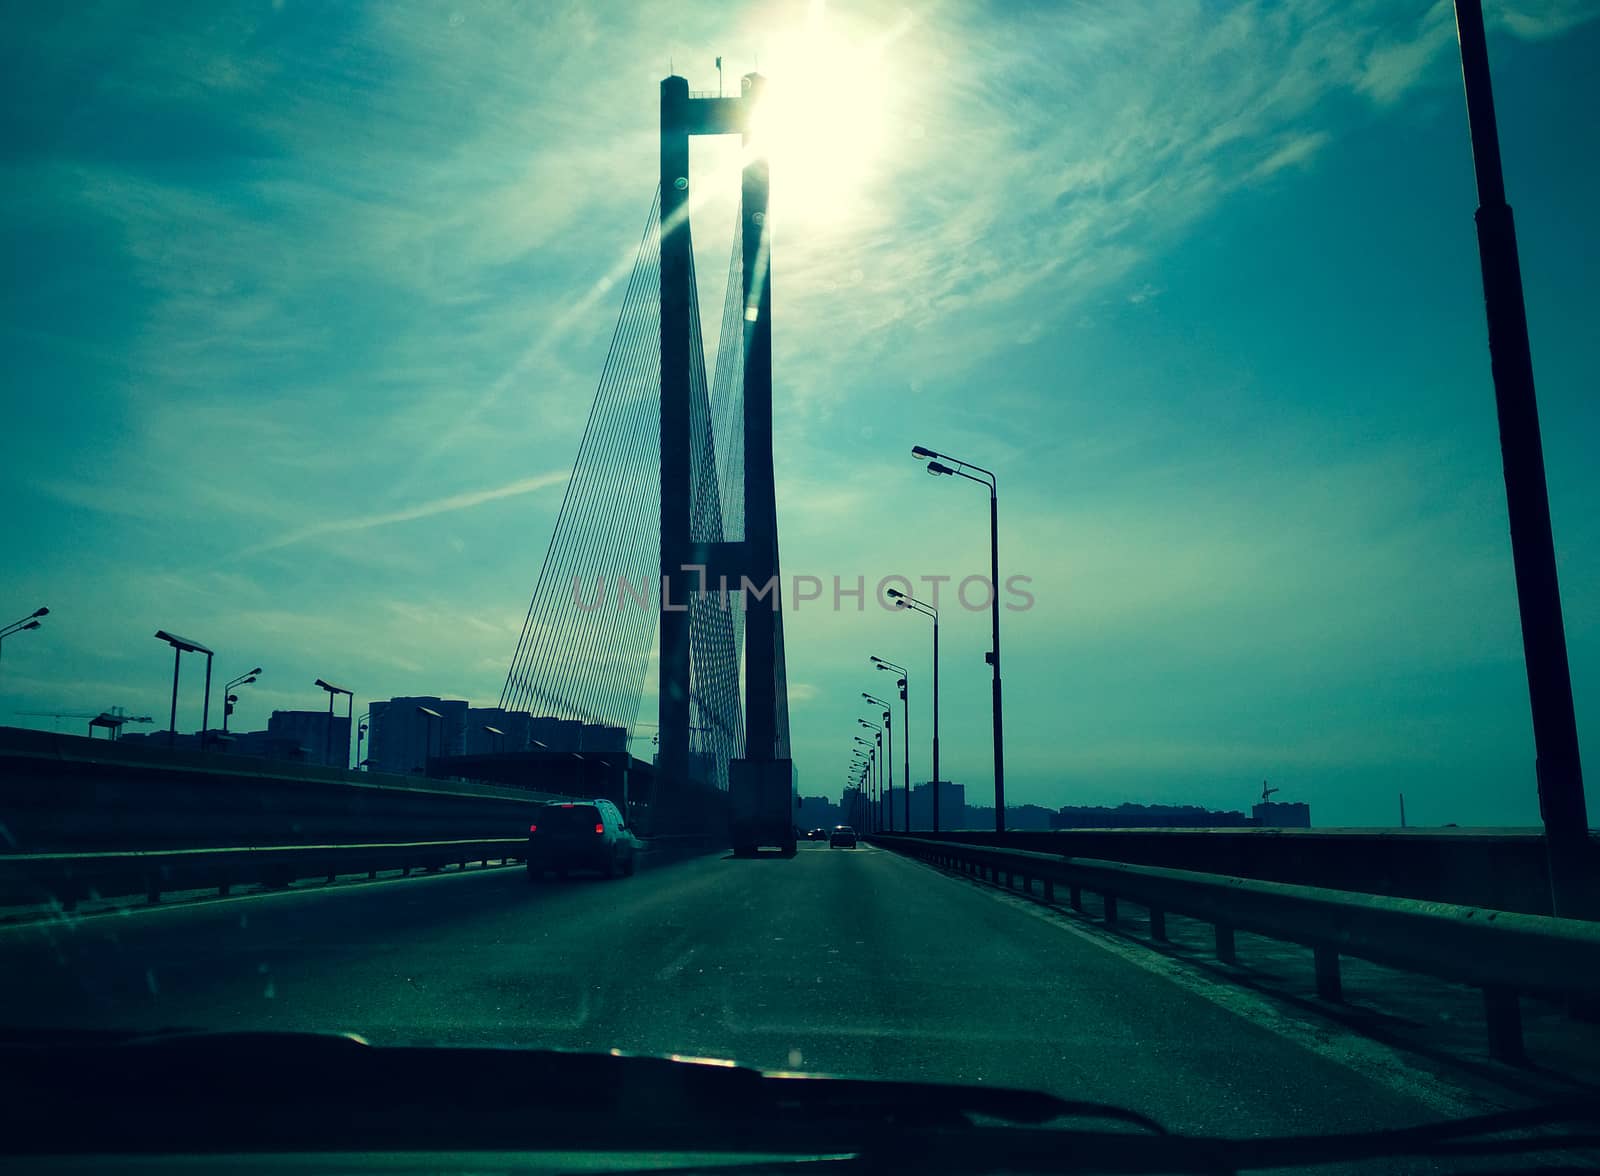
x,y
585,647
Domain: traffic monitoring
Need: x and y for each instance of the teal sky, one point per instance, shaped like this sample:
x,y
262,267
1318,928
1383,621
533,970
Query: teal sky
x,y
306,303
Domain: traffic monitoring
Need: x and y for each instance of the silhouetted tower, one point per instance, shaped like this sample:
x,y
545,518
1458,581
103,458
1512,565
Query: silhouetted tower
x,y
755,557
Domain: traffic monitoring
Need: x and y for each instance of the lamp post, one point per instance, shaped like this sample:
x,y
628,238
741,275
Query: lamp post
x,y
903,601
944,465
327,741
1573,887
181,646
905,734
31,621
857,777
879,751
872,762
500,743
888,727
361,733
229,697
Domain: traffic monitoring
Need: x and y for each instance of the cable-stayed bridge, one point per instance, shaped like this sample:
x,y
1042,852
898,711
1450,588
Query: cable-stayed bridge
x,y
670,509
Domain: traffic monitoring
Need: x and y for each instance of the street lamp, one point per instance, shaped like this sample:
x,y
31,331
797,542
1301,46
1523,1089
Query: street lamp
x,y
905,733
361,733
856,775
888,727
501,744
181,646
428,715
327,740
872,760
879,750
229,697
941,464
901,600
28,622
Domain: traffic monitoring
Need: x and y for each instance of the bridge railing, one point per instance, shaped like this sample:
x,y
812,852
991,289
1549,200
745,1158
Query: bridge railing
x,y
61,881
1503,954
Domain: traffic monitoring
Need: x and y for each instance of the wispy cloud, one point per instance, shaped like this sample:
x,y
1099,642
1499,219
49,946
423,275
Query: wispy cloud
x,y
421,510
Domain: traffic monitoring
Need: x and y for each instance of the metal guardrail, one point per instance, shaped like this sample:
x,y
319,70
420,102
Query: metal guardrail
x,y
66,879
1501,953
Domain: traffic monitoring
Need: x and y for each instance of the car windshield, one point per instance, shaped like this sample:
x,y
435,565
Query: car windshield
x,y
1034,527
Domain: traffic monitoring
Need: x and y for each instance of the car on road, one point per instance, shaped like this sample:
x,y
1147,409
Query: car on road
x,y
817,835
842,835
586,835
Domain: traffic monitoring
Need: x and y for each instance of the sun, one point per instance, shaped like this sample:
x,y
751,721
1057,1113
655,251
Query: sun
x,y
823,122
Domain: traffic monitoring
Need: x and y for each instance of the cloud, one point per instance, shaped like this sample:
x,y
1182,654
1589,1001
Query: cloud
x,y
421,510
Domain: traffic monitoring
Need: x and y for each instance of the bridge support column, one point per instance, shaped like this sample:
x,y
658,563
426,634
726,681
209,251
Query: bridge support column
x,y
672,768
762,624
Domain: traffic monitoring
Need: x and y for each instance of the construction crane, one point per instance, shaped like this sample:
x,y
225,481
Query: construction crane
x,y
112,719
1266,793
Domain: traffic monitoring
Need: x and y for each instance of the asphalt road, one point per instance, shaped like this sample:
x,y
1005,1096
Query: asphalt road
x,y
845,962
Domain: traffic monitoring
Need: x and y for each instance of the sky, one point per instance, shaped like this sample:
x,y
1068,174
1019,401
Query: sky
x,y
306,304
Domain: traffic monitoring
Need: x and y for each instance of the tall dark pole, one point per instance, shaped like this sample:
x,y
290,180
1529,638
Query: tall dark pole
x,y
936,776
994,607
762,622
676,274
888,727
172,723
905,733
1555,733
205,707
327,735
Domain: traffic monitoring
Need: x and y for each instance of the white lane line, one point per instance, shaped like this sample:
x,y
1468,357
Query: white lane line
x,y
676,966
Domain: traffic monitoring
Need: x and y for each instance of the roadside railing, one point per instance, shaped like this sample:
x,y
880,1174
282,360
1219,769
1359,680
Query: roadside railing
x,y
1503,954
66,879
63,880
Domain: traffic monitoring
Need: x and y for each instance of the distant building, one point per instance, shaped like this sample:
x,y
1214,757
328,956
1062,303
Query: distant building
x,y
1275,815
818,812
304,736
294,736
952,806
1145,816
515,727
400,738
853,805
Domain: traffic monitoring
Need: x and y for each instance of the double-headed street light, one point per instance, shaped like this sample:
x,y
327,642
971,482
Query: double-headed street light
x,y
903,683
944,465
888,727
181,646
901,600
327,742
31,621
229,697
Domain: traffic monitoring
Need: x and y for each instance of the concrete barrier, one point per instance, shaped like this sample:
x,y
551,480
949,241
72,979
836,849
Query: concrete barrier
x,y
68,793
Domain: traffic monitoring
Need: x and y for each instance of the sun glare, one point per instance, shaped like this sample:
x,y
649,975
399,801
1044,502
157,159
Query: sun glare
x,y
823,121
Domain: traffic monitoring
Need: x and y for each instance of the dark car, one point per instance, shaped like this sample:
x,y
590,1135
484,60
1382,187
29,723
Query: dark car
x,y
587,835
817,835
842,835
